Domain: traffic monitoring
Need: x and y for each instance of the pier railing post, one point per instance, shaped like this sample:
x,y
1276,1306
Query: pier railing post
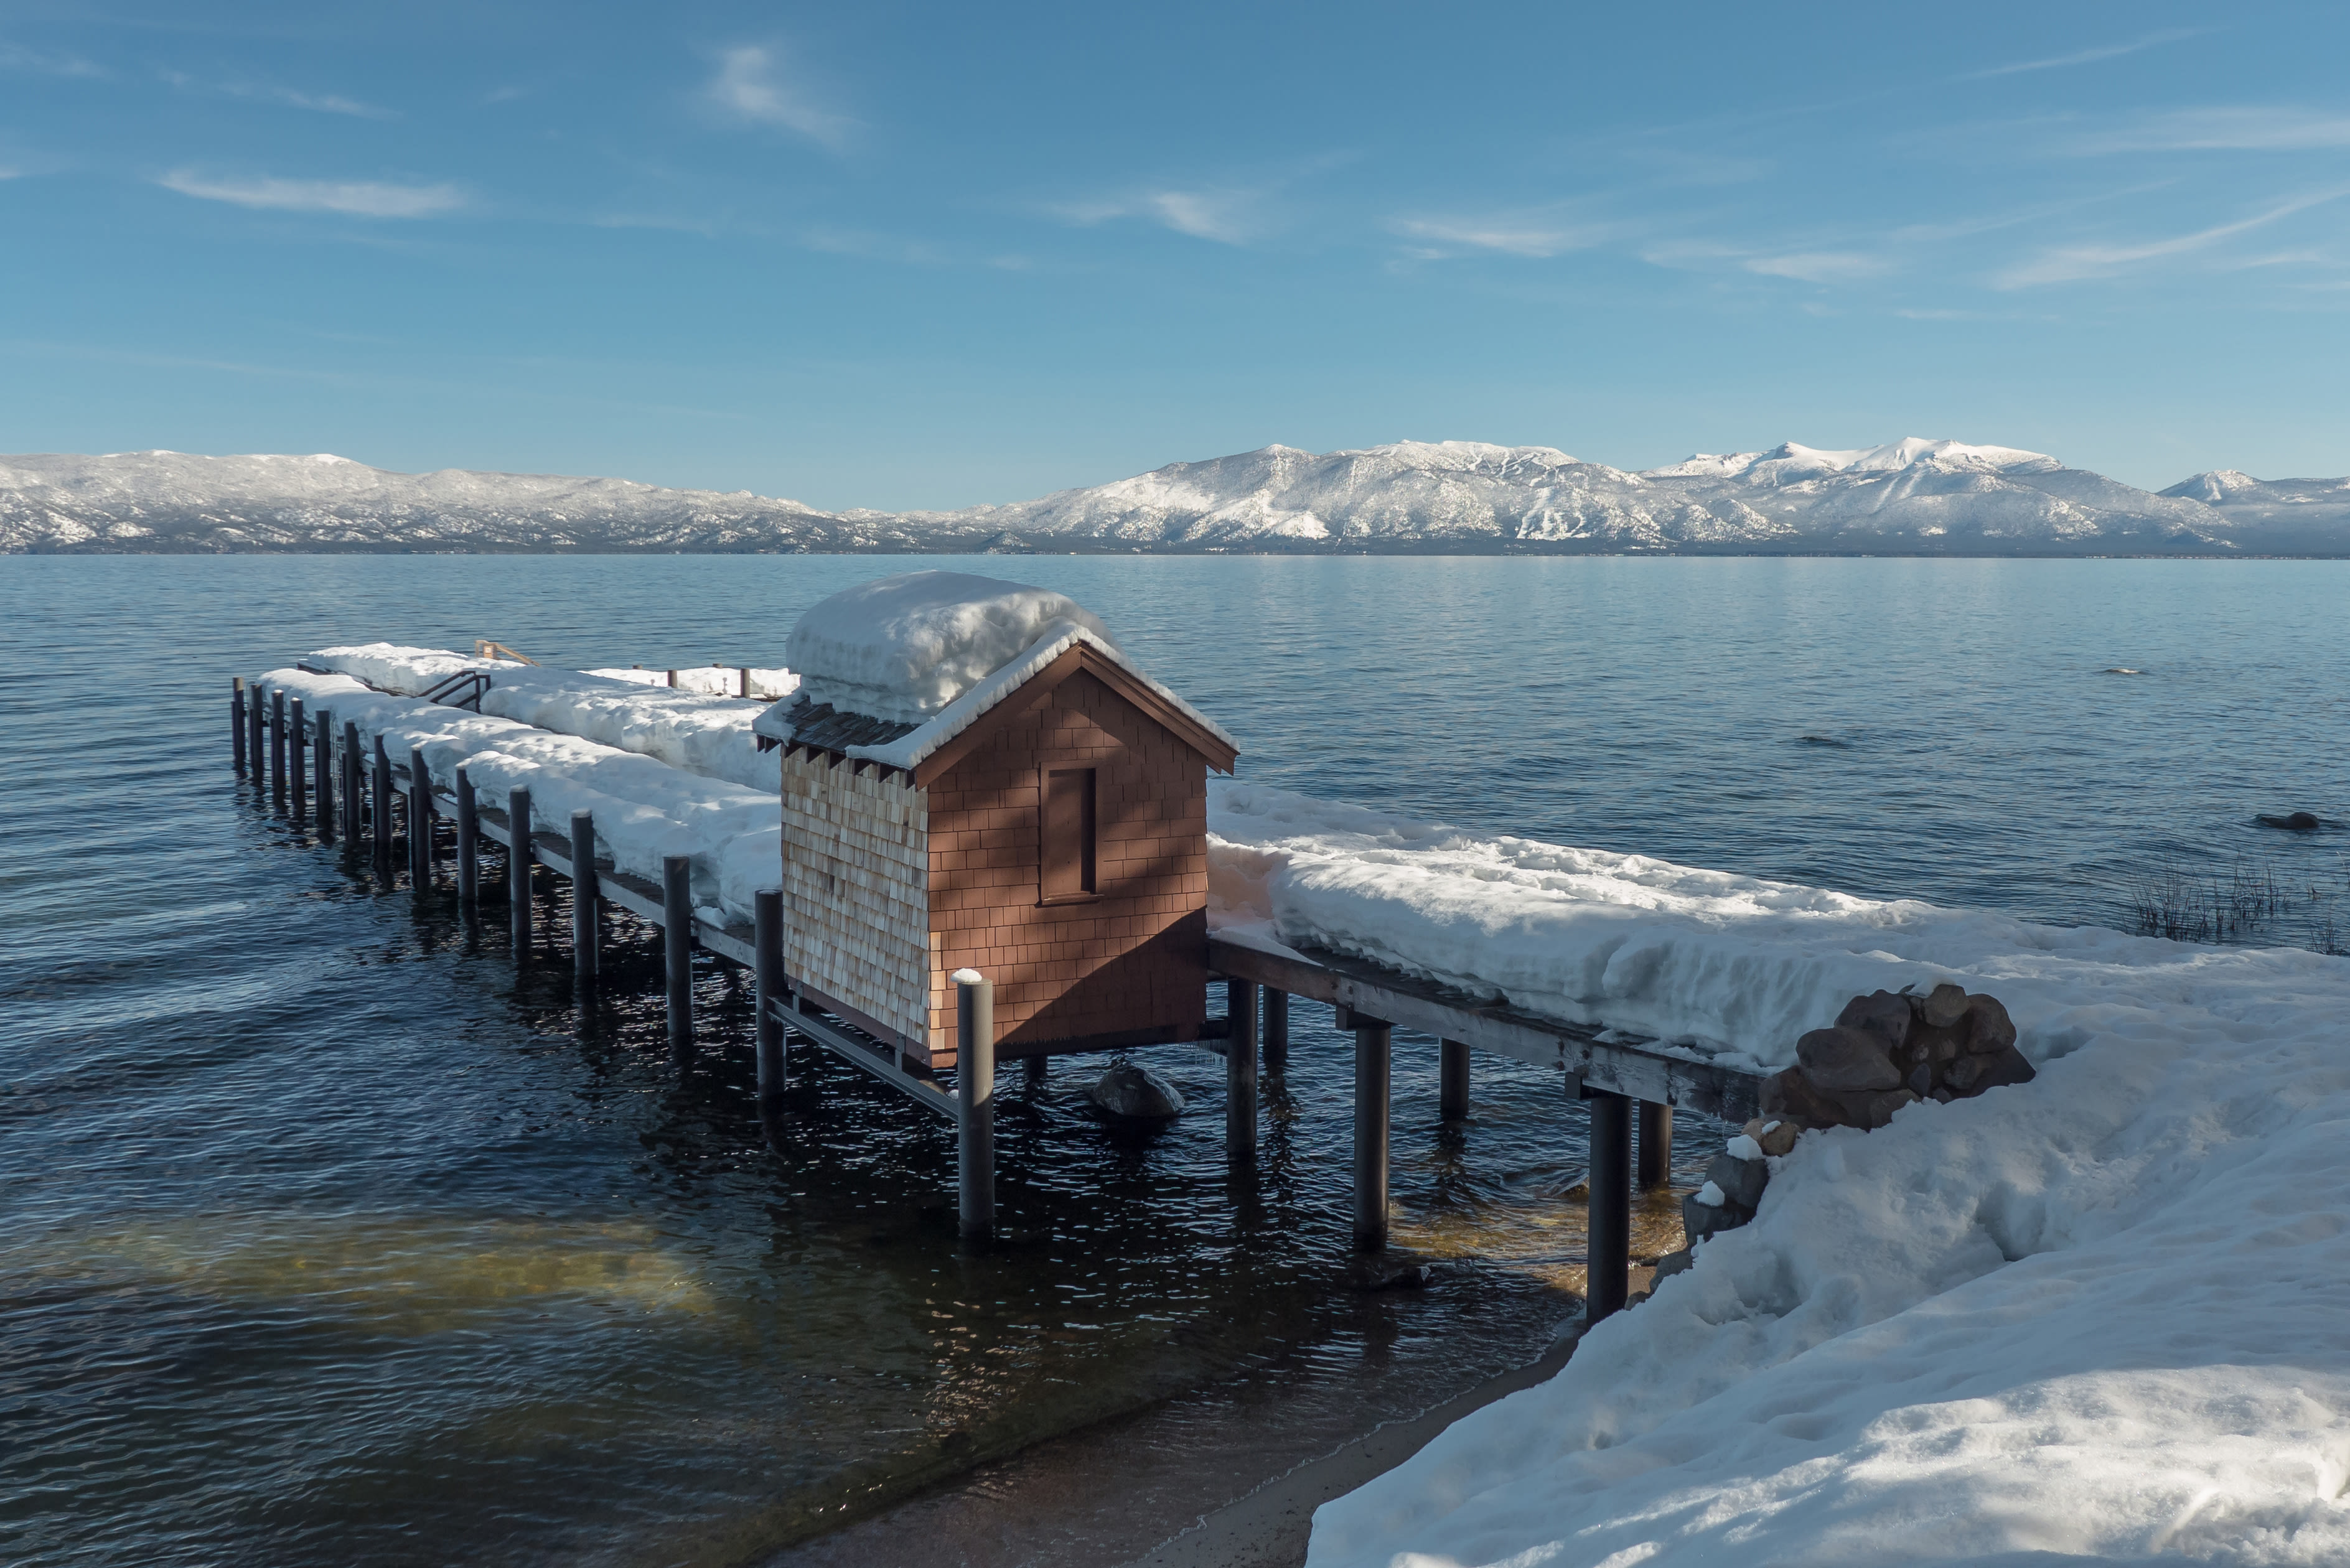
x,y
1656,1167
677,949
1276,1030
420,821
1609,1247
1374,1046
254,740
380,810
469,845
767,951
236,722
519,872
1240,1068
277,744
1452,1080
975,1105
323,758
583,895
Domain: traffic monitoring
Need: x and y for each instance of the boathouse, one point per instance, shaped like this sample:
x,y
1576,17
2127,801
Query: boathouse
x,y
976,777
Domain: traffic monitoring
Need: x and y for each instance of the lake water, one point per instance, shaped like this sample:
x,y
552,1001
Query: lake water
x,y
328,1235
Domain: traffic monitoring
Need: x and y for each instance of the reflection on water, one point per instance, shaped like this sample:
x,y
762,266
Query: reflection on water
x,y
328,1236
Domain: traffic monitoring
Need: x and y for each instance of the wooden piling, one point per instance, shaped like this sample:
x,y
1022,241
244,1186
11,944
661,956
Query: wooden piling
x,y
254,726
975,1105
1374,1046
767,950
469,845
236,720
1240,1068
677,948
745,673
354,803
322,754
1609,1247
1655,1160
583,895
277,744
379,811
1452,1080
297,763
673,679
1276,1030
519,872
1036,1069
420,821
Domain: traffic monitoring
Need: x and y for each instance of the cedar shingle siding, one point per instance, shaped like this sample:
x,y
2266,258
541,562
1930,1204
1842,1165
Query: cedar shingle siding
x,y
856,889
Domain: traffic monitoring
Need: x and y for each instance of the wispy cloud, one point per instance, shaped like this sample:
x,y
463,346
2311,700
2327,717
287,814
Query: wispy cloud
x,y
1230,217
749,86
1535,234
259,92
2072,263
46,62
1819,267
2259,129
357,198
2089,56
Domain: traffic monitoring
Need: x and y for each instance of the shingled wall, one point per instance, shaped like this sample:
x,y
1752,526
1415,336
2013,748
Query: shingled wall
x,y
856,890
1131,957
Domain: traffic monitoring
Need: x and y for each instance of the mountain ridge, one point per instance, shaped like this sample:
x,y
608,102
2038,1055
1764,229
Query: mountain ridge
x,y
1913,496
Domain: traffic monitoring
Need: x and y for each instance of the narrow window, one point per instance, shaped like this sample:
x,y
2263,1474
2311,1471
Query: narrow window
x,y
1067,844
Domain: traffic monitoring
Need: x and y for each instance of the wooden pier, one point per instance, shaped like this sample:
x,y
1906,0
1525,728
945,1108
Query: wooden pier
x,y
1628,1084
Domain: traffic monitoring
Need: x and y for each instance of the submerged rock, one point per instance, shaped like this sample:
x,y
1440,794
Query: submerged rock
x,y
1136,1094
2293,821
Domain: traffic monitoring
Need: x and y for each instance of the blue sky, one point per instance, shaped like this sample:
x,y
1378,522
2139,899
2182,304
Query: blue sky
x,y
899,255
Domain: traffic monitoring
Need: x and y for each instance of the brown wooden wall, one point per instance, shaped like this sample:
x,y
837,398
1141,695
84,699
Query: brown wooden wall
x,y
1131,957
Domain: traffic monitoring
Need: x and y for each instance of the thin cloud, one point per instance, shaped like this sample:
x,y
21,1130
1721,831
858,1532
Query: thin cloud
x,y
2072,264
2089,56
1515,234
750,87
2233,130
316,103
47,62
1819,267
1227,217
355,198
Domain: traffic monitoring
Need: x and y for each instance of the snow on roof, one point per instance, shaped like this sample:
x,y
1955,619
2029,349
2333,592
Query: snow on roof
x,y
937,651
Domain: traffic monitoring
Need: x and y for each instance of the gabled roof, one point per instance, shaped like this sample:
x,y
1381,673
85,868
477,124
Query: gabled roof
x,y
928,750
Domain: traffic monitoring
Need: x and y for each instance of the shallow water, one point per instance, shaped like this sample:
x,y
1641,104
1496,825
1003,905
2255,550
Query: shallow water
x,y
330,1236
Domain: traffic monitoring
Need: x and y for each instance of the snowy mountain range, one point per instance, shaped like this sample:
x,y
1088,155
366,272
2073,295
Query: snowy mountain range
x,y
1909,497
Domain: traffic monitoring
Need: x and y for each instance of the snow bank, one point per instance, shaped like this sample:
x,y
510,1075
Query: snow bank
x,y
903,648
710,681
645,809
703,734
2095,1316
1726,967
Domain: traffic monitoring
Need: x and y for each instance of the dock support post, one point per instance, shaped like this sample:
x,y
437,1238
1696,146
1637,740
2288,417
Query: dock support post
x,y
323,758
583,895
1655,1145
277,744
1240,1068
677,949
1374,1045
297,762
767,950
975,1105
469,845
354,809
518,873
236,720
1452,1080
420,821
1276,1031
1035,1070
253,729
1609,1248
379,809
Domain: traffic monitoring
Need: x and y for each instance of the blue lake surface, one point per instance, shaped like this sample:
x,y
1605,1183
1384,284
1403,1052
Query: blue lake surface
x,y
327,1234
